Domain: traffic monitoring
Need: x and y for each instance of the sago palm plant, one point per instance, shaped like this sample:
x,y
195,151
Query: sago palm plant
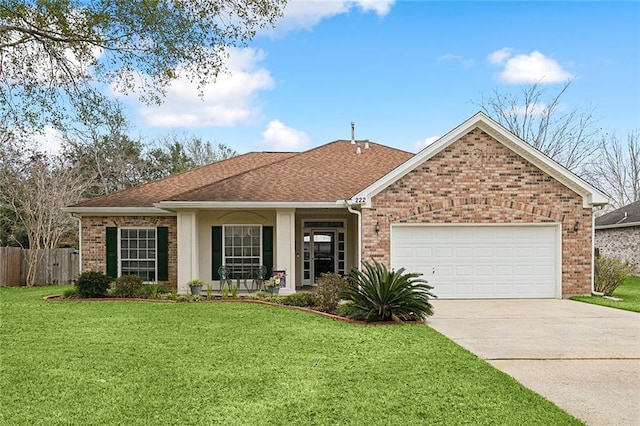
x,y
377,294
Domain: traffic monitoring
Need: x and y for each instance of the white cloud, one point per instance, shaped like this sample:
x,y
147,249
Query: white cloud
x,y
380,7
467,63
420,145
49,141
532,68
228,101
278,137
305,14
499,56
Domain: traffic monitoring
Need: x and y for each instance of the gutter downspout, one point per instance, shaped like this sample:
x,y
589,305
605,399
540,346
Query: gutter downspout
x,y
79,219
359,214
593,257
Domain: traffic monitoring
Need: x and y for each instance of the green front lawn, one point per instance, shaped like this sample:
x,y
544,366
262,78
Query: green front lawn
x,y
145,363
629,292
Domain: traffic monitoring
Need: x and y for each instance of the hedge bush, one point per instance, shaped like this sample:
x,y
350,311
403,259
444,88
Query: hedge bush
x,y
127,286
327,291
92,284
299,299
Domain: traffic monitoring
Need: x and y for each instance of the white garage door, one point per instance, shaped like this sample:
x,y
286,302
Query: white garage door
x,y
472,262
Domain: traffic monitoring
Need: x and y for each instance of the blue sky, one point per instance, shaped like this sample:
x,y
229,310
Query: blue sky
x,y
405,72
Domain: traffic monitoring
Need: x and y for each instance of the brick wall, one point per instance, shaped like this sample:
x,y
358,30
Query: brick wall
x,y
94,239
478,180
623,243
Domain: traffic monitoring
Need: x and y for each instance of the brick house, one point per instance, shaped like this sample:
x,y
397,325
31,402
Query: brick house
x,y
618,234
481,213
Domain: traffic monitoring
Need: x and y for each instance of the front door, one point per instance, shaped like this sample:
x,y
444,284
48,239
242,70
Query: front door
x,y
324,252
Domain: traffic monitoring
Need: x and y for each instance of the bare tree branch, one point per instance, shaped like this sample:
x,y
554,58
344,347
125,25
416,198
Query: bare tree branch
x,y
568,137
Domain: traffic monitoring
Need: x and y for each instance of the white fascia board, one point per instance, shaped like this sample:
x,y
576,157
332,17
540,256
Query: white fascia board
x,y
618,225
229,205
118,211
591,195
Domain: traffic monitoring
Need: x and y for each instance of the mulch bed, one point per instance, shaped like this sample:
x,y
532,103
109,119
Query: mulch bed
x,y
59,297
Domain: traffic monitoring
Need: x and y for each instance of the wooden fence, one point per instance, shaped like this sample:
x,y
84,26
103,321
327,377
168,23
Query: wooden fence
x,y
53,266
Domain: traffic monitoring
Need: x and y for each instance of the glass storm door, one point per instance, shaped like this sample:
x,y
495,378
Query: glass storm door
x,y
319,254
324,253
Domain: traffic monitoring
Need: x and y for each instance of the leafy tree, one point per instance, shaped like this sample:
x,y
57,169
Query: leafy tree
x,y
12,233
110,155
56,55
539,118
176,155
33,190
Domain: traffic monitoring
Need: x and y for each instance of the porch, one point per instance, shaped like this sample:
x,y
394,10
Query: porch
x,y
248,245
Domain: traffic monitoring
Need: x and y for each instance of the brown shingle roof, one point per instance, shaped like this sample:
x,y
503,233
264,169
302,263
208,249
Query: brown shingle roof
x,y
147,194
325,174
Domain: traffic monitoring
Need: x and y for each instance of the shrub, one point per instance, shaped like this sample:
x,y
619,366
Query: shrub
x,y
234,291
610,272
272,298
153,290
127,286
377,294
327,291
225,290
92,284
70,293
259,295
299,299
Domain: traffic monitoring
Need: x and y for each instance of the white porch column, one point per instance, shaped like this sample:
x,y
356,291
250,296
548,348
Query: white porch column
x,y
285,258
187,224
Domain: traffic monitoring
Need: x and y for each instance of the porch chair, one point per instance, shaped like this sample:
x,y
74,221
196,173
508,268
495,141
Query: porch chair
x,y
259,275
225,279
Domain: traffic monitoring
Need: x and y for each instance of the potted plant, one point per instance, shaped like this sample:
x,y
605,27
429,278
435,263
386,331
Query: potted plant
x,y
196,286
271,287
273,284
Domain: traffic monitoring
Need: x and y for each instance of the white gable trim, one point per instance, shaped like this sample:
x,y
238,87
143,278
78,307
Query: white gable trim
x,y
591,196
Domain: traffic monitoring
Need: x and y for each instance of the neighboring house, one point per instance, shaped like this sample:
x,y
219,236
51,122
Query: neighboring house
x,y
618,234
480,212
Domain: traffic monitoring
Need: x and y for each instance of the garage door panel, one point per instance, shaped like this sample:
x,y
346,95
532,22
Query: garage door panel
x,y
504,271
480,261
462,252
464,271
443,252
423,251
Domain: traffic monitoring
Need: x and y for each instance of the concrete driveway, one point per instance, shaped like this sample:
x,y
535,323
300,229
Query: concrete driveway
x,y
584,358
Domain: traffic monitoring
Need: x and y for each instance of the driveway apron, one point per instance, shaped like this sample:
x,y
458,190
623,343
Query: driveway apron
x,y
584,358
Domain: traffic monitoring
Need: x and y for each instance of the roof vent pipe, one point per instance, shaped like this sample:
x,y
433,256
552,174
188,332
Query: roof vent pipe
x,y
366,144
358,150
353,133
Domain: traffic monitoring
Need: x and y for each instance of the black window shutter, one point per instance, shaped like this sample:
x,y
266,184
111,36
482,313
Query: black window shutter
x,y
112,252
163,253
216,251
267,248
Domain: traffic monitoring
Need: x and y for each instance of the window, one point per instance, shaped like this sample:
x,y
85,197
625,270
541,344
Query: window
x,y
242,249
138,252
